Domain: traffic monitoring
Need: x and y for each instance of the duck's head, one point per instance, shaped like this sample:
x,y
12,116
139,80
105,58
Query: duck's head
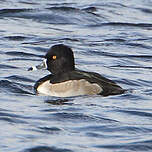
x,y
58,59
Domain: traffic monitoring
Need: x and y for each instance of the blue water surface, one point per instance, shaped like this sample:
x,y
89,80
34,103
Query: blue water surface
x,y
113,38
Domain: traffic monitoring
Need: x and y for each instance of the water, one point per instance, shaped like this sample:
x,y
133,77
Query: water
x,y
110,37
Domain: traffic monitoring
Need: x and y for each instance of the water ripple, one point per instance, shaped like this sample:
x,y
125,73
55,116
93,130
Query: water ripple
x,y
4,12
8,86
2,66
131,146
22,54
46,149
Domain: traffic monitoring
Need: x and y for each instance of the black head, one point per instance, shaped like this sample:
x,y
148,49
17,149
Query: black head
x,y
60,59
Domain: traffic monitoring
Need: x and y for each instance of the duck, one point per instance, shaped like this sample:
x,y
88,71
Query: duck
x,y
66,80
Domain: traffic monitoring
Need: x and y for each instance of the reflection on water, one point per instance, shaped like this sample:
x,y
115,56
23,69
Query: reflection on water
x,y
110,38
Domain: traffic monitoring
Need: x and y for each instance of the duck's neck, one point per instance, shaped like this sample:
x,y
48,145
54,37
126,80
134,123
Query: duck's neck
x,y
63,70
61,77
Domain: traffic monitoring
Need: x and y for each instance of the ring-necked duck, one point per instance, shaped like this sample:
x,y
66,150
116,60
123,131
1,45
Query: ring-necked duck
x,y
66,81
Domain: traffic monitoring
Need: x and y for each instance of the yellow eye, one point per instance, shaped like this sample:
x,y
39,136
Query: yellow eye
x,y
54,57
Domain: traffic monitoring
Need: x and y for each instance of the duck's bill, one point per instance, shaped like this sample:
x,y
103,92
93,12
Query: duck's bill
x,y
43,65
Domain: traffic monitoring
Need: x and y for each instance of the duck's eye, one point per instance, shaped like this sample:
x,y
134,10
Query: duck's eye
x,y
54,57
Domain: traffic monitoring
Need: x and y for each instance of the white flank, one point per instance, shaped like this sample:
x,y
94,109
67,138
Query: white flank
x,y
69,88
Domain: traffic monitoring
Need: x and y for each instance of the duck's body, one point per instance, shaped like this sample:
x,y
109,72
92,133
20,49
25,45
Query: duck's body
x,y
75,83
66,81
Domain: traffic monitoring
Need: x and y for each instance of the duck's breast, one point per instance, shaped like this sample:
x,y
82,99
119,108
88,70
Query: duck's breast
x,y
69,88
